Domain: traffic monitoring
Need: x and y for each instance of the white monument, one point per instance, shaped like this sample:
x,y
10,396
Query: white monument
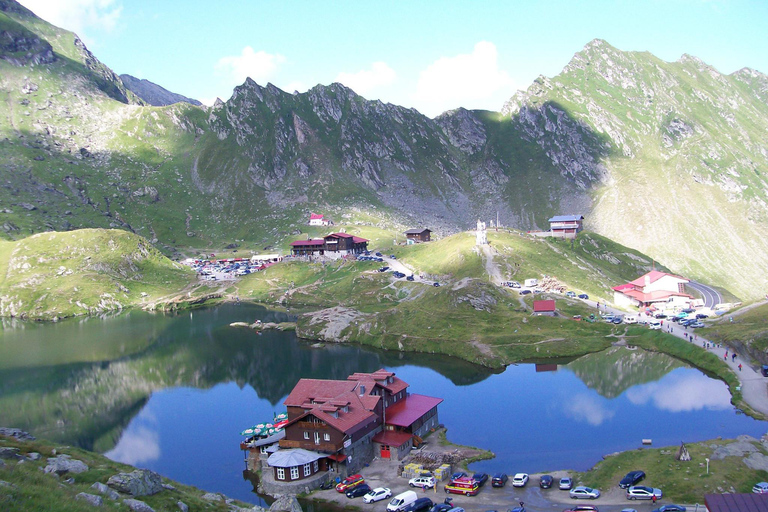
x,y
482,236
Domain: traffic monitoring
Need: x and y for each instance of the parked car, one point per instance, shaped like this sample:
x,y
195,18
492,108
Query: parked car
x,y
583,492
545,482
480,478
423,481
499,480
696,324
670,508
583,296
525,292
378,254
760,488
617,320
377,494
582,508
435,284
402,500
701,315
458,474
393,256
420,505
566,483
660,316
350,482
358,490
409,278
441,507
383,269
514,284
520,479
641,492
570,294
656,326
632,478
518,509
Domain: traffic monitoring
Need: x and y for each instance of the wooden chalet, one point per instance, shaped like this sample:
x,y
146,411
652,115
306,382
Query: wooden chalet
x,y
342,421
418,235
566,226
334,245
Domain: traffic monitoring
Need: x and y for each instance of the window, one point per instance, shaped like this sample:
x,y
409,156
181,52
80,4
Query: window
x,y
280,474
294,472
317,466
306,469
306,435
327,436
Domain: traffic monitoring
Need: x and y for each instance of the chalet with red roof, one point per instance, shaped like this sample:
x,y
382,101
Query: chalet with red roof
x,y
317,219
544,307
335,245
652,289
340,425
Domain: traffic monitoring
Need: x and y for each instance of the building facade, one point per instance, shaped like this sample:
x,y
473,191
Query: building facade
x,y
655,288
566,226
418,235
335,245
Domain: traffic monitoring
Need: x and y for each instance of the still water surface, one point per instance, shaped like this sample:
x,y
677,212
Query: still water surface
x,y
172,392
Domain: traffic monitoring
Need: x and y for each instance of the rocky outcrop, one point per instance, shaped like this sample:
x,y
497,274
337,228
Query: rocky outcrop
x,y
62,464
138,506
141,482
91,499
285,503
154,94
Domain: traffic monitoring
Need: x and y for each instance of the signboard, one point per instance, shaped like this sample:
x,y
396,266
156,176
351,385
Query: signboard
x,y
347,443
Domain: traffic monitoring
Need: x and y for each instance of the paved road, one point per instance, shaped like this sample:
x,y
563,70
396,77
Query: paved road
x,y
710,295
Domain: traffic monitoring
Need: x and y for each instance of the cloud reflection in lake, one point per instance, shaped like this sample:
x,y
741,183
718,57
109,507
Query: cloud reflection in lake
x,y
138,445
682,393
588,408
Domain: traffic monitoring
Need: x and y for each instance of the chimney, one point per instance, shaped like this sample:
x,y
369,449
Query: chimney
x,y
647,280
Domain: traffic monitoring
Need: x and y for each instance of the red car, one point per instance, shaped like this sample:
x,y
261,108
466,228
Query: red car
x,y
350,482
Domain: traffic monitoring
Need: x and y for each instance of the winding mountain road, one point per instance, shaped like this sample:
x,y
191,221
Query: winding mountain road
x,y
710,295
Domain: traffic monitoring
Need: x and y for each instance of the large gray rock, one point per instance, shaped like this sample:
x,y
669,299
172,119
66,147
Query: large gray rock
x,y
105,490
8,453
138,506
91,499
286,503
141,482
212,496
65,464
182,506
17,433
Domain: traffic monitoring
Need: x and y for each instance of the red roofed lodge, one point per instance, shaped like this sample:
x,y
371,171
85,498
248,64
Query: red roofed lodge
x,y
652,289
334,245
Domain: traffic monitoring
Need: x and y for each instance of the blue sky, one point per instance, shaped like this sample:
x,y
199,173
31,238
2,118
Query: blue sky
x,y
430,55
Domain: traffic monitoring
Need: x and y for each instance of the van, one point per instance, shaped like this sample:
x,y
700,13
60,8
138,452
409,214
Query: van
x,y
401,501
531,282
630,319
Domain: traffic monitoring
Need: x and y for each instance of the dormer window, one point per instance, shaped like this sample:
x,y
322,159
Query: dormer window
x,y
345,408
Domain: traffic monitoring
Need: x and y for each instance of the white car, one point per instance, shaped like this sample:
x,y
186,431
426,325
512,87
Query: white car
x,y
655,325
423,481
377,494
584,492
520,479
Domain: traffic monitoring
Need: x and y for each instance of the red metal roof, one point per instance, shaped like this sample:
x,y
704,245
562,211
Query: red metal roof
x,y
737,502
405,412
653,276
543,306
392,438
315,216
312,242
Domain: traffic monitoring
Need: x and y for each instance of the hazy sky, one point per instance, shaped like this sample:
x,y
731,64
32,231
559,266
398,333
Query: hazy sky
x,y
430,55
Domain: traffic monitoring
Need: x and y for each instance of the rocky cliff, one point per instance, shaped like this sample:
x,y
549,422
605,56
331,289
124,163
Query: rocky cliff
x,y
154,94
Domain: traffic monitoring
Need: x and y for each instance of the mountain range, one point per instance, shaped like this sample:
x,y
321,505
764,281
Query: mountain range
x,y
669,158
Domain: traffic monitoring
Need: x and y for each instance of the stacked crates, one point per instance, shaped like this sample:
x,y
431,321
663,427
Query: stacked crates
x,y
412,470
443,472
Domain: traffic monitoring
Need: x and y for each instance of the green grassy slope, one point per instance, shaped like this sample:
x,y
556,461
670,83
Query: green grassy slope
x,y
55,275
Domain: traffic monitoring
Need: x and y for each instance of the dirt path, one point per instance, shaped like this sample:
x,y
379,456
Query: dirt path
x,y
494,273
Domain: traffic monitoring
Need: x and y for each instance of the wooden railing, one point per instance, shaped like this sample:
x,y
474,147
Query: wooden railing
x,y
309,445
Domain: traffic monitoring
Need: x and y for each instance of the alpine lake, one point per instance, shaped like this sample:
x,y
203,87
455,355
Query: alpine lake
x,y
172,392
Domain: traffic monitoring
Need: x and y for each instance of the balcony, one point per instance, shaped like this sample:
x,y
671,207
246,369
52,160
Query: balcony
x,y
308,444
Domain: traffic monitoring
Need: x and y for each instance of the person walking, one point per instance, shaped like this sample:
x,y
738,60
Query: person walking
x,y
726,355
739,366
653,498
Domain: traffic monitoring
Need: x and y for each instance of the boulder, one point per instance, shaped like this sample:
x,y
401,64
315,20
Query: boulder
x,y
105,490
138,505
8,453
65,464
141,482
91,499
285,503
182,506
212,496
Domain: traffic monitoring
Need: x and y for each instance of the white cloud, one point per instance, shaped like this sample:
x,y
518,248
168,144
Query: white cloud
x,y
136,447
588,409
79,16
259,66
367,80
467,80
691,392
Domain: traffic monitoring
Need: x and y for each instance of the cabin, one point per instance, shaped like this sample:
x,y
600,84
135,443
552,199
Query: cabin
x,y
415,236
317,219
653,289
544,307
344,424
566,226
335,245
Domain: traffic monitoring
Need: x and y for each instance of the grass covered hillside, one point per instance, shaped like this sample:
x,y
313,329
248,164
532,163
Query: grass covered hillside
x,y
469,315
54,275
747,333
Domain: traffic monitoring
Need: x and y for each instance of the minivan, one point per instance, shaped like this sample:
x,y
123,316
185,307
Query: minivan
x,y
401,501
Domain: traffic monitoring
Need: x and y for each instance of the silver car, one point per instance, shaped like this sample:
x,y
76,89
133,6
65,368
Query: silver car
x,y
641,492
584,492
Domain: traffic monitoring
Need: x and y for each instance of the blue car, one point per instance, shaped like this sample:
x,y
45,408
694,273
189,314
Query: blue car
x,y
583,296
